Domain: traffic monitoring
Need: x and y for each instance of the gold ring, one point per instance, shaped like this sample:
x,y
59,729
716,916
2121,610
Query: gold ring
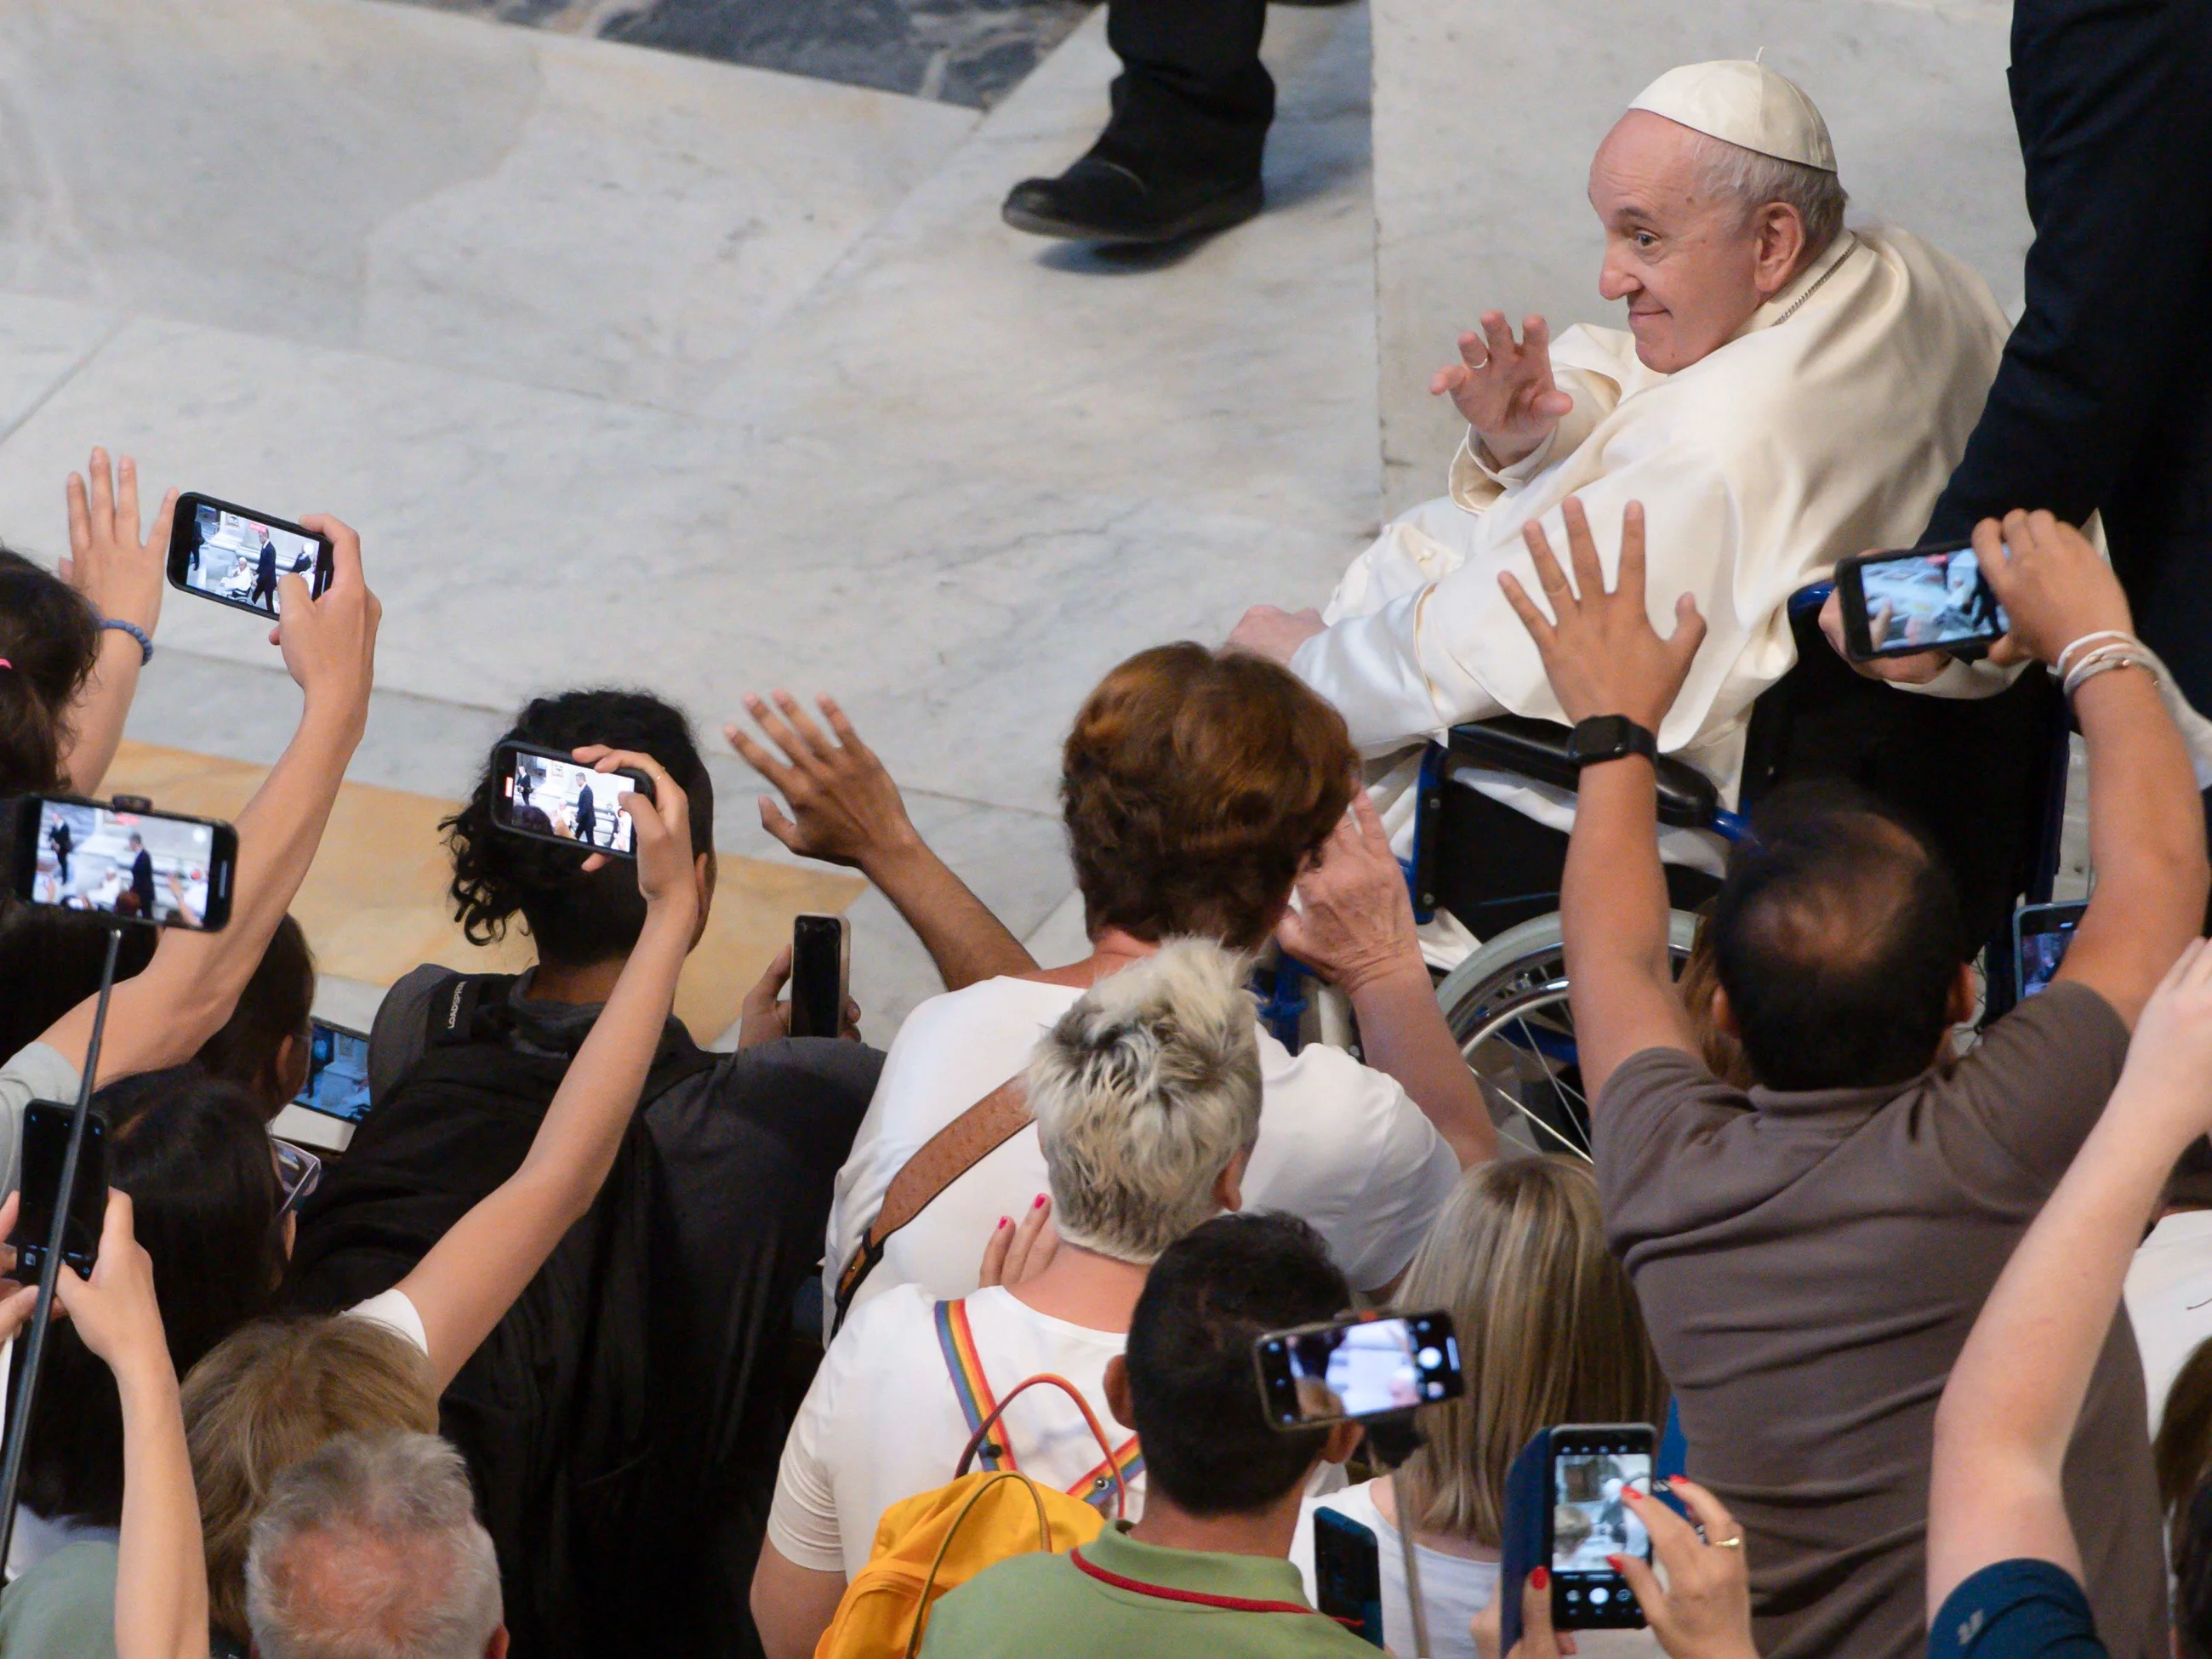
x,y
1735,1543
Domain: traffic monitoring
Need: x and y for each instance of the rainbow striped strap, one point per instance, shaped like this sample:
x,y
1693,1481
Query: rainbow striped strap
x,y
965,1366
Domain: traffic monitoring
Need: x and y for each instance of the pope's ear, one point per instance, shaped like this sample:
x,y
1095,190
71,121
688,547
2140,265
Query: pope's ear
x,y
1778,231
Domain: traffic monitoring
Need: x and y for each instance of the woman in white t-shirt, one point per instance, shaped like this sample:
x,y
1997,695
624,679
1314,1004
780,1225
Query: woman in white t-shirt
x,y
1549,1332
1198,787
1146,1094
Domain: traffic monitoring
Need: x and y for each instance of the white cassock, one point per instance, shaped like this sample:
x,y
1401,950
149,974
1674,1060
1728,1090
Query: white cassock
x,y
1828,426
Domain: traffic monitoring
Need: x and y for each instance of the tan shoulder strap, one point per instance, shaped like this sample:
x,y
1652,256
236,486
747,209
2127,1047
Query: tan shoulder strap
x,y
946,1155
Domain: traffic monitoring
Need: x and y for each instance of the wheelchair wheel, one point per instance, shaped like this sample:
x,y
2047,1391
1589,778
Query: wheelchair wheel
x,y
1507,1008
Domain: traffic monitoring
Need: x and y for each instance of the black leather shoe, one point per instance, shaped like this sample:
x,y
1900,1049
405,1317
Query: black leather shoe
x,y
1101,201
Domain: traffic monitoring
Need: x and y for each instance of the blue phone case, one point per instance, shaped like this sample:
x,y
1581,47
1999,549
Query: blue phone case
x,y
1348,1573
1526,1543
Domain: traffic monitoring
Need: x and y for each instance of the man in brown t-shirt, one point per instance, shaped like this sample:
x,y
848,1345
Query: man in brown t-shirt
x,y
1811,1255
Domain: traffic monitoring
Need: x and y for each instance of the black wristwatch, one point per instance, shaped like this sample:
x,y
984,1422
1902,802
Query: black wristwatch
x,y
1609,737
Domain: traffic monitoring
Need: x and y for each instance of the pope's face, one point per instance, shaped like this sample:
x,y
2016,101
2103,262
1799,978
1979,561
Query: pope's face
x,y
1685,260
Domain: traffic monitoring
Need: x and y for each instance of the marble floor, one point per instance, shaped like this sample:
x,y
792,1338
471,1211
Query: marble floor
x,y
971,53
635,367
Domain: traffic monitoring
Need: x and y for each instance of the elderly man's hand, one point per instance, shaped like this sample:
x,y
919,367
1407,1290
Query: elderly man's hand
x,y
2053,583
1600,650
1919,668
1275,634
1505,391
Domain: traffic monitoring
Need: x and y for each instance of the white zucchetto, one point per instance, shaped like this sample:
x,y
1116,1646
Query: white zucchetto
x,y
1743,103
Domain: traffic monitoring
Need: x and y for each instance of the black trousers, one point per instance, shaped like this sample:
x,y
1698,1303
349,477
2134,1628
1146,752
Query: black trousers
x,y
1193,97
2103,400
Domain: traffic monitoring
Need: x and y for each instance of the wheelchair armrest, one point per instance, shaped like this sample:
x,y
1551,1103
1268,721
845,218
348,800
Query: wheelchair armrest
x,y
1537,750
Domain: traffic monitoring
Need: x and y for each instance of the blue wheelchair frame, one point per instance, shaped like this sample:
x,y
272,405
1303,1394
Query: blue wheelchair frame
x,y
1284,992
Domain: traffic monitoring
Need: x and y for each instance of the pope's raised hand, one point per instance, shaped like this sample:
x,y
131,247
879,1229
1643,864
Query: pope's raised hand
x,y
1504,388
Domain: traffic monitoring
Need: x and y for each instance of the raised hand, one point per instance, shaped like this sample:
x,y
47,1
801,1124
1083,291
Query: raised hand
x,y
2053,585
1354,923
2166,1091
667,871
1503,389
115,1311
329,643
118,570
1267,631
844,807
1600,650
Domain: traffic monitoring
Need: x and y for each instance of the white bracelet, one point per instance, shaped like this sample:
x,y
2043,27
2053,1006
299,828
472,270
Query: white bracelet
x,y
2058,666
2103,659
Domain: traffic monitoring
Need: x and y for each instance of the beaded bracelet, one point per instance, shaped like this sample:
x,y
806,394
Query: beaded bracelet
x,y
145,643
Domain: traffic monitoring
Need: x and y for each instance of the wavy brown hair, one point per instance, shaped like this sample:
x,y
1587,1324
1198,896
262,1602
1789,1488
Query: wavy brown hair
x,y
1195,786
50,638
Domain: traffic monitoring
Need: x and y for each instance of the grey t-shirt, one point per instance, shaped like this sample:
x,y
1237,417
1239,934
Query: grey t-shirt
x,y
1809,1265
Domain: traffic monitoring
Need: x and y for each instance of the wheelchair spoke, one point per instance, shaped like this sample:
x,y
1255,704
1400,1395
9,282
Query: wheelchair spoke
x,y
1555,1067
1530,1116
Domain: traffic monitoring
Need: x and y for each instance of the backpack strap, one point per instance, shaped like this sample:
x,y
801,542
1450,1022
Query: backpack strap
x,y
1116,1463
946,1155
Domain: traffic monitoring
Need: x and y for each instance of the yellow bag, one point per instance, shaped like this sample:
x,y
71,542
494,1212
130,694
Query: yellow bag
x,y
937,1540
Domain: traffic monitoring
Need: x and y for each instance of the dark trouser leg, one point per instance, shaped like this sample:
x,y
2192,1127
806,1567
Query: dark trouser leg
x,y
1193,97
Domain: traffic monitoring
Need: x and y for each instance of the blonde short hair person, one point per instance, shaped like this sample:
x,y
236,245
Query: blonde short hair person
x,y
1146,1092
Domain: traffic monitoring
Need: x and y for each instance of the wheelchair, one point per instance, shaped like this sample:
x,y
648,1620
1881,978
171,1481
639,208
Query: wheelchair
x,y
1984,780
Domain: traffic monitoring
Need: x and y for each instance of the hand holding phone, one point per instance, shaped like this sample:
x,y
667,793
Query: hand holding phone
x,y
551,794
238,556
45,1138
821,966
1600,1475
1910,600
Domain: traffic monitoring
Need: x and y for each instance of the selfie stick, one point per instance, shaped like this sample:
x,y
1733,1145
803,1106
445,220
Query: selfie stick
x,y
35,1343
1393,1440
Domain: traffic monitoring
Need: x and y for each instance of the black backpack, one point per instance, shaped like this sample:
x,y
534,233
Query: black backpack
x,y
554,1411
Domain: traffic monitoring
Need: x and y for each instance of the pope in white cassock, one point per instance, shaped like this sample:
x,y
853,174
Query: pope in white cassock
x,y
1787,391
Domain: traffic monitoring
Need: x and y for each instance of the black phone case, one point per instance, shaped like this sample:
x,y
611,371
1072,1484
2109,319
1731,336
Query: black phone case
x,y
641,780
91,1177
181,551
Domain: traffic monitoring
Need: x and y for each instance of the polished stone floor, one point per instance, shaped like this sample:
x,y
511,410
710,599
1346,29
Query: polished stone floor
x,y
637,367
971,53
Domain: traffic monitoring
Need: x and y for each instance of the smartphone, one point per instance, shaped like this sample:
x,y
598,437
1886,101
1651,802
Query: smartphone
x,y
1919,598
1591,1464
337,1073
1348,1574
46,1145
821,962
2040,934
545,795
235,555
125,860
1366,1365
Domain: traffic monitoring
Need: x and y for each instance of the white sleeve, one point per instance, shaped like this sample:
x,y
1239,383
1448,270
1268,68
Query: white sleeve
x,y
35,1072
1412,1174
802,1520
397,1313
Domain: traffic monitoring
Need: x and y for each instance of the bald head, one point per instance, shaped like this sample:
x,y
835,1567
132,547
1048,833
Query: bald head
x,y
1699,234
1837,942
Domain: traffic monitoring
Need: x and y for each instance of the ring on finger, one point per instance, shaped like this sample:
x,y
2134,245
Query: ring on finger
x,y
1735,1543
1476,368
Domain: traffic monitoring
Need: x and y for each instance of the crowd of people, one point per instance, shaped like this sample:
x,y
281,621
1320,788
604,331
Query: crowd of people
x,y
595,1341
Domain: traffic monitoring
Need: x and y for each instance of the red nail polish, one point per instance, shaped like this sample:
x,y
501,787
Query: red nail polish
x,y
1612,1561
1039,1205
1006,1220
1541,1579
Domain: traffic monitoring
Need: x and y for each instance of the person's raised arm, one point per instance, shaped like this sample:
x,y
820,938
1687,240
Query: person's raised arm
x,y
846,809
1603,657
472,1276
161,1573
2008,1411
2146,818
120,574
1355,927
163,1016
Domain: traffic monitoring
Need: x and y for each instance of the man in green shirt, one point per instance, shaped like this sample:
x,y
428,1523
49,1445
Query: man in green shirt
x,y
1207,1569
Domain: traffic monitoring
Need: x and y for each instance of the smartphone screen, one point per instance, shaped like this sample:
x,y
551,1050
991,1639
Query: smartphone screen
x,y
1919,601
236,556
45,1145
142,866
1591,1466
1348,1574
1366,1366
818,964
2041,933
337,1073
555,799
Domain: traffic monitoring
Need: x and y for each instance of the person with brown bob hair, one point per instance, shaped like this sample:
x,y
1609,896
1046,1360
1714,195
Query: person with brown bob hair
x,y
1199,789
